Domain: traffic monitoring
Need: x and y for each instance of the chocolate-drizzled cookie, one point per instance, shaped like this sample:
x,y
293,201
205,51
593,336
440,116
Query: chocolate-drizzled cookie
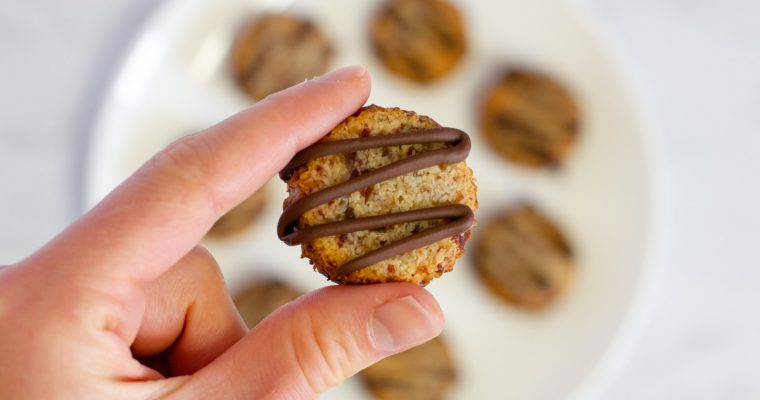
x,y
261,298
239,218
425,372
385,196
421,40
275,51
524,258
530,119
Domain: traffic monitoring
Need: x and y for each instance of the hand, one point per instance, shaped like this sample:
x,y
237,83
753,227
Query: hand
x,y
123,304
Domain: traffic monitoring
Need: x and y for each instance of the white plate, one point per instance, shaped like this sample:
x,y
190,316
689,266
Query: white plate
x,y
175,81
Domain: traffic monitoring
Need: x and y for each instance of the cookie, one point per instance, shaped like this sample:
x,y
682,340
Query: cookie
x,y
530,119
386,196
425,372
239,218
275,51
524,258
261,298
421,40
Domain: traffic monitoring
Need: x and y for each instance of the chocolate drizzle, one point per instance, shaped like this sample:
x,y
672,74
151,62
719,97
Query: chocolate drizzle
x,y
459,217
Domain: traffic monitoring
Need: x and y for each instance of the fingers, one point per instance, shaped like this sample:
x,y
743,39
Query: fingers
x,y
149,222
189,318
318,341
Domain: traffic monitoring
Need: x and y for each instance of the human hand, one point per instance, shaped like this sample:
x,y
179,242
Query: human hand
x,y
123,304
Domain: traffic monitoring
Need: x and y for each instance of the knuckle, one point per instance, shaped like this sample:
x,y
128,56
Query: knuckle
x,y
185,165
203,256
204,266
281,101
184,156
325,356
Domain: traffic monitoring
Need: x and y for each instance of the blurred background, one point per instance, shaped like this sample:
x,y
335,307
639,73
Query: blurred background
x,y
695,62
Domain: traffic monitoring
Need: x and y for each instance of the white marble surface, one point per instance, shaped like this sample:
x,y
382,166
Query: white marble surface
x,y
698,61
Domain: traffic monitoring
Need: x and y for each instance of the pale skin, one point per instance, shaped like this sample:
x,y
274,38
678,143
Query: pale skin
x,y
124,304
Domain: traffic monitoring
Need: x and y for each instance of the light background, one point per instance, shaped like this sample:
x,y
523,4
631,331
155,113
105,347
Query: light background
x,y
698,61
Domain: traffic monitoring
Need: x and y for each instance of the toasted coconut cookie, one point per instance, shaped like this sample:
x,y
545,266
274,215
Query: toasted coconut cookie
x,y
441,185
239,218
531,119
275,51
524,258
425,372
261,298
421,40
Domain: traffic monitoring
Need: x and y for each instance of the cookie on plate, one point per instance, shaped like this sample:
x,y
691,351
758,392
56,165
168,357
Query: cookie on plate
x,y
524,258
239,218
425,372
386,196
530,118
275,51
421,40
261,298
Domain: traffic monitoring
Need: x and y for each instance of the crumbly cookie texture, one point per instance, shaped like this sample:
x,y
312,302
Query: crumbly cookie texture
x,y
425,372
421,40
524,258
261,298
429,187
530,118
239,218
275,51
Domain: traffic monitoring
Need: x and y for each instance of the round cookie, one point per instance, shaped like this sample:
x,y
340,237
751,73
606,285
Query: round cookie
x,y
425,372
421,40
239,218
440,185
261,298
530,119
275,51
524,258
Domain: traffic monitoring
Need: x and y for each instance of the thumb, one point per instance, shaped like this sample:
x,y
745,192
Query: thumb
x,y
319,340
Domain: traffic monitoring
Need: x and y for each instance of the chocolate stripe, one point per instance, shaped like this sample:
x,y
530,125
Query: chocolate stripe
x,y
374,222
422,136
286,227
409,243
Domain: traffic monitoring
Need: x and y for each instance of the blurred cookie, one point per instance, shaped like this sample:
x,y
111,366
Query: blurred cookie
x,y
241,217
386,196
275,51
530,118
425,372
421,40
524,258
261,298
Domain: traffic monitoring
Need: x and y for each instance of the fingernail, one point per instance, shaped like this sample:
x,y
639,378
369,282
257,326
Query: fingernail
x,y
345,74
403,322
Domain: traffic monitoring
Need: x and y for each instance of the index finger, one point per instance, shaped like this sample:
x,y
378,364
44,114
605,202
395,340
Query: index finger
x,y
157,215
